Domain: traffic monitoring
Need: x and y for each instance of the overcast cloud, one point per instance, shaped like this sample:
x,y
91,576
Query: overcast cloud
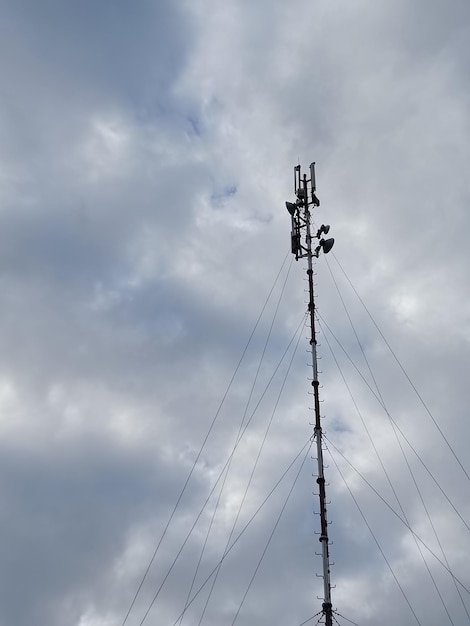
x,y
146,152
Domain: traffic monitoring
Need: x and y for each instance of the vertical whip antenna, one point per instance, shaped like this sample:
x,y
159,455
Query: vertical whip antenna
x,y
301,246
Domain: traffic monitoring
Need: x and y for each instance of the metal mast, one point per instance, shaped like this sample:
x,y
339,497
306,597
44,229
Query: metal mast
x,y
301,246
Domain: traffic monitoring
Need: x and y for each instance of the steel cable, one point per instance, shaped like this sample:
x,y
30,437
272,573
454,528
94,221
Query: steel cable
x,y
375,540
396,425
307,446
390,481
405,372
220,475
173,512
389,506
250,478
269,539
403,454
216,508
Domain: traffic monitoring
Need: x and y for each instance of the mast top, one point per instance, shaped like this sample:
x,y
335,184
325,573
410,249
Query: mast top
x,y
304,189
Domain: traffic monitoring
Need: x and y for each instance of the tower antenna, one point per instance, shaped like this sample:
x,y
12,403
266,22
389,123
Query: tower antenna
x,y
301,246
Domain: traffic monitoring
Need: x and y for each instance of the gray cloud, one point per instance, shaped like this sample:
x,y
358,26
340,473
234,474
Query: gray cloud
x,y
145,158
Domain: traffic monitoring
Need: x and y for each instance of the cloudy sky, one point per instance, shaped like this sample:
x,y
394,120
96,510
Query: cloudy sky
x,y
151,312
